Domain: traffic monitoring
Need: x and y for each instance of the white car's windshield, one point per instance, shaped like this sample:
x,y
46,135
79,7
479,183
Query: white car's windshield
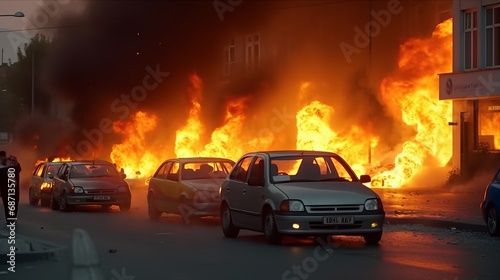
x,y
307,168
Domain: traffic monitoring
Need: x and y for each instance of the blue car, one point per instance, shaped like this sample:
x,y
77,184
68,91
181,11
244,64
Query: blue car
x,y
490,207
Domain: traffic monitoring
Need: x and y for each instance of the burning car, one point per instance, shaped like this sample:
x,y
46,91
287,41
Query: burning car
x,y
89,183
41,183
187,186
301,193
490,206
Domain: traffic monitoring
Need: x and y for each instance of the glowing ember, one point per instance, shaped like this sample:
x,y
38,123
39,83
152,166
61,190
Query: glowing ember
x,y
133,155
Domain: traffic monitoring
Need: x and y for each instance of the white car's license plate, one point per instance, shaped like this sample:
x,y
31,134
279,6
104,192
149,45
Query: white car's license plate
x,y
102,197
338,220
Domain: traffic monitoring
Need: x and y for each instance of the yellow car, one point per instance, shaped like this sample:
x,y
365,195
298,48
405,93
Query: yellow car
x,y
187,186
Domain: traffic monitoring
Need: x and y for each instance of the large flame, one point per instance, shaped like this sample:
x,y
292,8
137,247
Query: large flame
x,y
133,154
409,95
412,94
226,141
188,137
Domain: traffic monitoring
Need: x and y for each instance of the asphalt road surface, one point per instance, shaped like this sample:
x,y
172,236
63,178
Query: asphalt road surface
x,y
132,247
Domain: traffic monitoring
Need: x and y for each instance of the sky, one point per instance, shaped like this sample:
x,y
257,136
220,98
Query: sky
x,y
39,17
13,25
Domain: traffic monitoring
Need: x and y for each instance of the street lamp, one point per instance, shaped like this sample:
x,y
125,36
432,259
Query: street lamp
x,y
17,14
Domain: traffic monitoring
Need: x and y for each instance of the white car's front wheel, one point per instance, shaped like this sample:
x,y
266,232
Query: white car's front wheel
x,y
270,228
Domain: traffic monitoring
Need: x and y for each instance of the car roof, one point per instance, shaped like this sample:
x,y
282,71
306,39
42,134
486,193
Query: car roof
x,y
284,153
199,159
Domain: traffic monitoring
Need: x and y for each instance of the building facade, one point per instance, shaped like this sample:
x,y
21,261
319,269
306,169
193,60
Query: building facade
x,y
474,84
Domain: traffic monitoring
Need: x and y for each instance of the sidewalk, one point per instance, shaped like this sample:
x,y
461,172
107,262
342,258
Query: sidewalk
x,y
434,208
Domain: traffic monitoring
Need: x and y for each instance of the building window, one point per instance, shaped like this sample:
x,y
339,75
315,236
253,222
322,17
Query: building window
x,y
493,36
470,45
229,58
489,124
252,53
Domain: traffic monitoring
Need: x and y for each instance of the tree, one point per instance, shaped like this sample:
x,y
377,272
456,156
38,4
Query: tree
x,y
19,77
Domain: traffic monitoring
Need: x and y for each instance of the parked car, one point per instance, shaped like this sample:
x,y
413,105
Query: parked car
x,y
40,188
300,193
490,206
89,183
187,186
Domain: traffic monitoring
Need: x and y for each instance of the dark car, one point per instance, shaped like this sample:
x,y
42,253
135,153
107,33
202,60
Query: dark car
x,y
89,183
490,207
301,193
41,183
187,186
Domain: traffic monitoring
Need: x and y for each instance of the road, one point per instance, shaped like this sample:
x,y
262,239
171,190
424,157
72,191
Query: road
x,y
133,247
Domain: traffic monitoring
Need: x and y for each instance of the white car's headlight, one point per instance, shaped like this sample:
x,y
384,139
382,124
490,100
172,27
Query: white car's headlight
x,y
77,190
292,206
371,204
122,189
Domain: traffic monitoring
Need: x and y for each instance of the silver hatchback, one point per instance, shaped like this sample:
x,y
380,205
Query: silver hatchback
x,y
301,193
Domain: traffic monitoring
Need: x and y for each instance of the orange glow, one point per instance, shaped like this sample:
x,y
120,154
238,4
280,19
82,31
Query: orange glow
x,y
133,154
489,125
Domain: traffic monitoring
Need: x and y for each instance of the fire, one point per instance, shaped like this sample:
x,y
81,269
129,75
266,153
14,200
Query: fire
x,y
188,137
57,159
490,125
411,94
133,155
226,141
314,133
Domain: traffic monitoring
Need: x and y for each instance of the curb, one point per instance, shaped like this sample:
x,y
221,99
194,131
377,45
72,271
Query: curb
x,y
436,223
42,250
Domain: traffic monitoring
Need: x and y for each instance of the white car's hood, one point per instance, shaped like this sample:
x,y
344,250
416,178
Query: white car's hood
x,y
109,183
327,193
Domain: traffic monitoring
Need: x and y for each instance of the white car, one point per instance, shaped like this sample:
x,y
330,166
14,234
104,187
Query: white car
x,y
301,193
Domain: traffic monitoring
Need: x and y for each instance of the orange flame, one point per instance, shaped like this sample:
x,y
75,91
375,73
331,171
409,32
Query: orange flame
x,y
57,159
132,154
489,124
224,138
188,137
412,94
226,141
